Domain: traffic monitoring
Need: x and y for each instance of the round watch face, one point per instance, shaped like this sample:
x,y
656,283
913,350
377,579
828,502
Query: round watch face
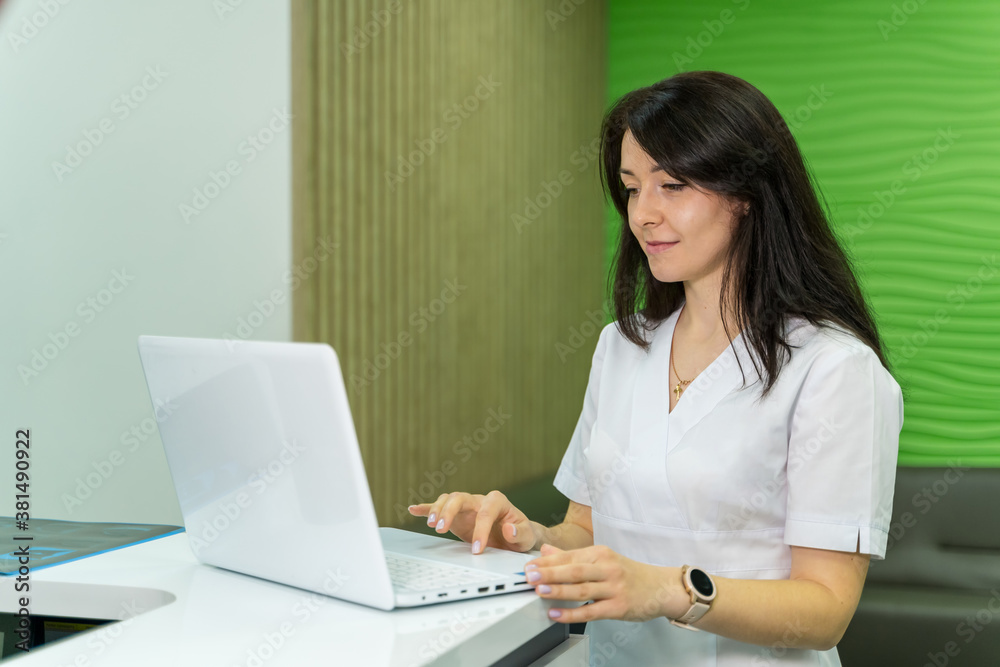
x,y
701,582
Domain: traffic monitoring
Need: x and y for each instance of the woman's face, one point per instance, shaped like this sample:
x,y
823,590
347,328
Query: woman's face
x,y
684,231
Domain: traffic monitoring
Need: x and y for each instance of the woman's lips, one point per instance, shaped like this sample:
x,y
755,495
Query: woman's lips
x,y
656,248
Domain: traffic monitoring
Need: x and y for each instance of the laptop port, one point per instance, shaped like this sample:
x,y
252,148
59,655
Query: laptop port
x,y
501,587
465,590
484,589
441,595
518,583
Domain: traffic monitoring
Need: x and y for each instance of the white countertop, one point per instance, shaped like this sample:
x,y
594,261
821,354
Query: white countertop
x,y
176,611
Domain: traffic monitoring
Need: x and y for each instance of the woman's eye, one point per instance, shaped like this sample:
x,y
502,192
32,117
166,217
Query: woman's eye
x,y
672,187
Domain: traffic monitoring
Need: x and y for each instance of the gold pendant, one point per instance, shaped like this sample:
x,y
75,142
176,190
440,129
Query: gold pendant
x,y
679,389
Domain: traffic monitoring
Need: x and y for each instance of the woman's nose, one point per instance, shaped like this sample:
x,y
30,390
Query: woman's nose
x,y
645,209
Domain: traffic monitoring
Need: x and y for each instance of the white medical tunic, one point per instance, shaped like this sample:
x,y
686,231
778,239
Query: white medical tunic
x,y
727,484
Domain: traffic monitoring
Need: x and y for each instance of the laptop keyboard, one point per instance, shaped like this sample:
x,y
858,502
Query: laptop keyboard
x,y
412,574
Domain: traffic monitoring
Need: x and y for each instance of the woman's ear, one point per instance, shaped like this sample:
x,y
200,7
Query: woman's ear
x,y
739,209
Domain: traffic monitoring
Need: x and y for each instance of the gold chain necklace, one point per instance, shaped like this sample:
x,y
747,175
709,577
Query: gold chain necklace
x,y
681,384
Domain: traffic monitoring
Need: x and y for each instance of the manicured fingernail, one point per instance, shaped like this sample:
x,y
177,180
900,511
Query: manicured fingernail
x,y
534,576
475,546
544,589
440,524
530,566
430,519
554,613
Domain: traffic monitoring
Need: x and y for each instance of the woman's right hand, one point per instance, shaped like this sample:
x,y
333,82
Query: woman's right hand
x,y
488,520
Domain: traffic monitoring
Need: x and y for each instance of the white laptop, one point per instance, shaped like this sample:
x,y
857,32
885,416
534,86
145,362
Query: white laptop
x,y
265,459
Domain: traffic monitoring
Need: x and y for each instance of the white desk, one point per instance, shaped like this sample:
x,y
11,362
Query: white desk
x,y
175,611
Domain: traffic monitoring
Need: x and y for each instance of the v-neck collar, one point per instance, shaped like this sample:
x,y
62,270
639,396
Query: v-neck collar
x,y
651,415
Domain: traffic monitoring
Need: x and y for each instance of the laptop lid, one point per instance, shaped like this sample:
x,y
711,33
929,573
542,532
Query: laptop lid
x,y
263,454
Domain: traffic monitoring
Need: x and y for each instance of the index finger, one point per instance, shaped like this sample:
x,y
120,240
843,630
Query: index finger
x,y
485,518
420,509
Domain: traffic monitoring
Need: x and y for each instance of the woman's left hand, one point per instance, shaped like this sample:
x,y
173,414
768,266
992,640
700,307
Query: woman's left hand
x,y
621,588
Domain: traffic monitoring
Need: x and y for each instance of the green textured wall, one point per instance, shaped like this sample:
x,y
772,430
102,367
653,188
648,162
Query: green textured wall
x,y
896,107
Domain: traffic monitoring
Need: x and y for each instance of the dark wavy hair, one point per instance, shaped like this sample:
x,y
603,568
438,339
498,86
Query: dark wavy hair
x,y
720,133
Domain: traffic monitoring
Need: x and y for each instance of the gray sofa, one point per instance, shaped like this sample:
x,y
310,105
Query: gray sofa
x,y
935,599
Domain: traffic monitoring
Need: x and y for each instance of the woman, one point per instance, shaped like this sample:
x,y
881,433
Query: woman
x,y
733,465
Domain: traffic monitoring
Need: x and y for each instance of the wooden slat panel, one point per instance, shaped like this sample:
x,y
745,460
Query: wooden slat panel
x,y
407,95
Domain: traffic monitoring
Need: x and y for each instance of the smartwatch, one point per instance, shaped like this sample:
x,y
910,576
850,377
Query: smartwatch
x,y
701,588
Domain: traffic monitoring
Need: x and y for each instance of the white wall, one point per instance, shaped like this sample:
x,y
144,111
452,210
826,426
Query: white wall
x,y
167,92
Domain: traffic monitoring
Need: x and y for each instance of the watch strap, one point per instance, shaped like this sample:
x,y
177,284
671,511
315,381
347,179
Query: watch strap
x,y
697,610
698,607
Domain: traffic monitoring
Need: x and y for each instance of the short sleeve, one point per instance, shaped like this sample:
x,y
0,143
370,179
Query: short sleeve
x,y
842,450
571,477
